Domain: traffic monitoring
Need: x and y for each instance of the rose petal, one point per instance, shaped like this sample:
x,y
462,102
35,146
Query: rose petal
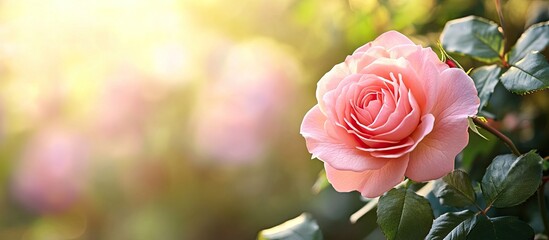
x,y
395,117
330,81
434,156
370,183
427,67
332,150
424,128
342,101
457,99
361,59
419,57
391,39
313,125
383,67
363,48
407,125
389,151
334,102
457,95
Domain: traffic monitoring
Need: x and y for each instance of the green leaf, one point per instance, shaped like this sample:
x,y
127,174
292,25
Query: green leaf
x,y
483,229
321,182
510,180
501,228
512,228
527,75
471,226
303,227
452,225
455,189
402,214
473,36
535,38
486,78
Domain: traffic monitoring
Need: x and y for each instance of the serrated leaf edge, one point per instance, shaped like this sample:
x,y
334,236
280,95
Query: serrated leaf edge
x,y
506,174
472,201
481,19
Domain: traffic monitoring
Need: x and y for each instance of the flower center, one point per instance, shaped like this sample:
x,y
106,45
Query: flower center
x,y
376,106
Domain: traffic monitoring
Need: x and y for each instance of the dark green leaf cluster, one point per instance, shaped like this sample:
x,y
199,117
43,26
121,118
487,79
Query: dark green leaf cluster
x,y
521,70
508,181
468,225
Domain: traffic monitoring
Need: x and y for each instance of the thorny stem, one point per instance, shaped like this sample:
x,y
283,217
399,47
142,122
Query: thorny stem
x,y
502,23
498,134
543,207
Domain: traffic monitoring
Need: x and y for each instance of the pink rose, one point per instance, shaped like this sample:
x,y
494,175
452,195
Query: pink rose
x,y
392,109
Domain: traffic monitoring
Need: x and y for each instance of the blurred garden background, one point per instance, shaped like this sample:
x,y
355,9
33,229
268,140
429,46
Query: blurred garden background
x,y
165,119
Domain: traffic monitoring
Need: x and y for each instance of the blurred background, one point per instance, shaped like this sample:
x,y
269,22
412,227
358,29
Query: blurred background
x,y
165,119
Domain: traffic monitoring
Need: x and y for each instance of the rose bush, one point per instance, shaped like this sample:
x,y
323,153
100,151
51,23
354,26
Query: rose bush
x,y
391,110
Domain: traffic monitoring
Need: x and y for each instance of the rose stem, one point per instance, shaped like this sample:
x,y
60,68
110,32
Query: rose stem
x,y
502,23
543,207
498,134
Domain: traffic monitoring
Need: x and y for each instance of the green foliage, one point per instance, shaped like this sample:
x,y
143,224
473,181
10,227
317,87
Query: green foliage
x,y
467,225
511,228
473,36
527,75
486,78
510,180
452,225
527,70
500,228
535,38
402,214
455,189
303,227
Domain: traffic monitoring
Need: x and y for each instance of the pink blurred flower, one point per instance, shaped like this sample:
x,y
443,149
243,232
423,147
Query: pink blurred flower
x,y
51,175
252,87
123,109
122,104
392,109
